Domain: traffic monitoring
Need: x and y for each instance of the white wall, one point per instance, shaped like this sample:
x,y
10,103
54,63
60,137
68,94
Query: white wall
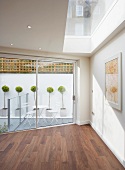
x,y
108,122
83,91
44,81
77,44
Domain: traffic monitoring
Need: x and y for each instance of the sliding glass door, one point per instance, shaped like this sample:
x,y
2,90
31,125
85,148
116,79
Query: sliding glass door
x,y
40,93
55,91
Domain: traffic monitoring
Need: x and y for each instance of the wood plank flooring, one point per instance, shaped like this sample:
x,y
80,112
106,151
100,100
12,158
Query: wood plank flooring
x,y
69,147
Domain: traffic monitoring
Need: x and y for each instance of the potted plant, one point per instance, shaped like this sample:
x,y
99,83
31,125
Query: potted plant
x,y
49,90
33,89
18,89
5,90
62,89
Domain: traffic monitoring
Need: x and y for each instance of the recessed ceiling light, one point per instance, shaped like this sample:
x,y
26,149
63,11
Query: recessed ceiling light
x,y
29,27
40,48
11,44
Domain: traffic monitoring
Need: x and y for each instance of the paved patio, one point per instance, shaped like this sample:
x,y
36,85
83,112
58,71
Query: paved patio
x,y
25,124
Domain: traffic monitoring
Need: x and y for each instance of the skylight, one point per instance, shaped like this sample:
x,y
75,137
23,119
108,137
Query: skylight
x,y
85,15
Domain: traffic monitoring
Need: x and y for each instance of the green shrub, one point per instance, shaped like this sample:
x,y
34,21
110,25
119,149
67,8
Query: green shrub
x,y
61,89
50,90
5,88
33,88
19,89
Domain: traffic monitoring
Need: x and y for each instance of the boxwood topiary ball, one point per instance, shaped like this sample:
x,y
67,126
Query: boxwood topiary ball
x,y
5,88
19,89
50,89
33,88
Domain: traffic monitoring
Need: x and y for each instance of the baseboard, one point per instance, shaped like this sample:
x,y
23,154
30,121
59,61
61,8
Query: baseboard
x,y
96,130
124,164
121,160
82,122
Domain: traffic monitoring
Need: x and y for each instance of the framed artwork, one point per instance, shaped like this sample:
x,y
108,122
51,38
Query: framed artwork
x,y
113,81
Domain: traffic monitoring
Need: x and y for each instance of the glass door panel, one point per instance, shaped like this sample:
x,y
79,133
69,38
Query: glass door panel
x,y
55,91
19,75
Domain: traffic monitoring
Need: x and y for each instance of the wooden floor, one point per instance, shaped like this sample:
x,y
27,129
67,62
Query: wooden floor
x,y
69,147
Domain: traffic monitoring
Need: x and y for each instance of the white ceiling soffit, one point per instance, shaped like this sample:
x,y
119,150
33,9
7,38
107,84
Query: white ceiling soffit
x,y
46,17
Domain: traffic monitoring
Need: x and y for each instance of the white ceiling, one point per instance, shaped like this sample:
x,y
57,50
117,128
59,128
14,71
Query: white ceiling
x,y
47,18
48,21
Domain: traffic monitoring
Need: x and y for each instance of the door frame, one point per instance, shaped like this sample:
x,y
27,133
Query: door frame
x,y
39,58
74,102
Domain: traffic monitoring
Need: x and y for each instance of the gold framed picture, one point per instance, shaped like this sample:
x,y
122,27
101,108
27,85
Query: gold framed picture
x,y
113,81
